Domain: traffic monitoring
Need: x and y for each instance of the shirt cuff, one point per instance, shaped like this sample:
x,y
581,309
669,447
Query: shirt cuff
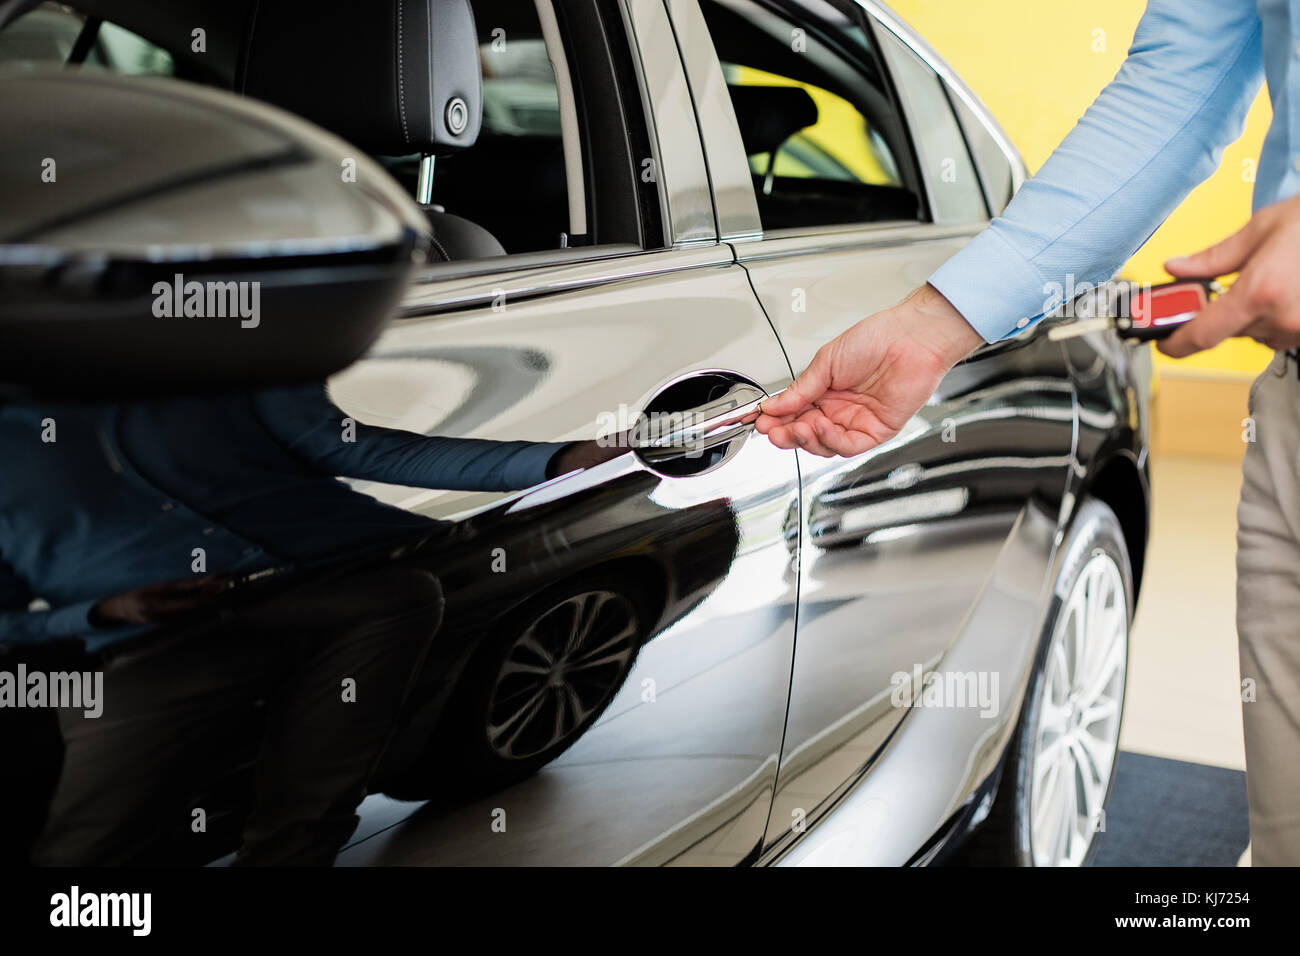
x,y
527,467
996,289
70,621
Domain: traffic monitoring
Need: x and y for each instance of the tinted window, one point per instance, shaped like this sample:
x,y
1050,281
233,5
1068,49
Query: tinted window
x,y
824,142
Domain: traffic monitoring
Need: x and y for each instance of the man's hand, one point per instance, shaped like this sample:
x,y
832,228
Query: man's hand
x,y
1264,302
156,603
864,385
586,454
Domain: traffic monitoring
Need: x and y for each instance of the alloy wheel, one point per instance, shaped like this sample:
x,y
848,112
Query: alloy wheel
x,y
1077,736
560,670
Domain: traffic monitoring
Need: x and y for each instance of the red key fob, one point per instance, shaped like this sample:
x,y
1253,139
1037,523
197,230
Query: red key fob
x,y
1154,312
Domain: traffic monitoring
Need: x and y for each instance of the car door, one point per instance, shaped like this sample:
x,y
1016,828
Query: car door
x,y
865,187
571,344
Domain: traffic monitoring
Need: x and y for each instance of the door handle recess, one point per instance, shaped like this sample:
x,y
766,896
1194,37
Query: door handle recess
x,y
697,422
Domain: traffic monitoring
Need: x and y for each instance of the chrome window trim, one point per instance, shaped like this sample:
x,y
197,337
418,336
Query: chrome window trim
x,y
724,150
686,196
826,239
886,18
453,294
570,137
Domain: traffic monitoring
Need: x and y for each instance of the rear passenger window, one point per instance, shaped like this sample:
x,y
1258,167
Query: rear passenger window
x,y
825,144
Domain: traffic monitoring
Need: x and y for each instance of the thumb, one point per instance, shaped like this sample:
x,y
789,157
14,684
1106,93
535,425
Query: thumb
x,y
807,388
1221,258
1223,318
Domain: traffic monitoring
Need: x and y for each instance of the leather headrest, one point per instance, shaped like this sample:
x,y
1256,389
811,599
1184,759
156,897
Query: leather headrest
x,y
769,115
394,77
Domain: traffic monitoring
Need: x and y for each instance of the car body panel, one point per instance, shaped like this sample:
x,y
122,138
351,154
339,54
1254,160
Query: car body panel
x,y
950,525
781,595
683,761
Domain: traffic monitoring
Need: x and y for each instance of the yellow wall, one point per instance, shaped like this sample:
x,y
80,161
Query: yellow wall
x,y
1038,64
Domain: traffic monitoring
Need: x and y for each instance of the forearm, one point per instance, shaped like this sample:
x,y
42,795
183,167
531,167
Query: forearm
x,y
1154,133
317,431
31,627
455,464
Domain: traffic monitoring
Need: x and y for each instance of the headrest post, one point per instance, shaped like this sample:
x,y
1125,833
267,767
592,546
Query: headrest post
x,y
424,184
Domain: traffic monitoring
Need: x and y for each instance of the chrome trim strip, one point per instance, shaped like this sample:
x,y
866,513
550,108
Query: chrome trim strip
x,y
478,291
570,137
835,239
724,150
897,26
679,165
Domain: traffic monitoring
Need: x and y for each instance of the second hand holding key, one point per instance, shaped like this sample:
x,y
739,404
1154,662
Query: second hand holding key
x,y
1150,313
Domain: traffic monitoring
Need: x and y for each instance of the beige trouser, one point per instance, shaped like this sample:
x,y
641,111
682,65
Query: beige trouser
x,y
1268,614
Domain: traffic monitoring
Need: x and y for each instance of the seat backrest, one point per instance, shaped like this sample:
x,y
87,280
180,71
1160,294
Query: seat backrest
x,y
769,115
454,238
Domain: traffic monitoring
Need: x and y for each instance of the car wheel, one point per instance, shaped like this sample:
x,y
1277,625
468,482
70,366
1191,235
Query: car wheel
x,y
533,690
1060,765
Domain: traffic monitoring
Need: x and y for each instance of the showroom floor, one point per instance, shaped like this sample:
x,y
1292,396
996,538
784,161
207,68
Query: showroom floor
x,y
1183,698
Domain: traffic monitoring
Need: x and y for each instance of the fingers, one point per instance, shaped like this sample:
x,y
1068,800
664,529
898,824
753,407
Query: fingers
x,y
817,434
1225,317
785,436
841,440
801,432
803,393
809,440
1222,257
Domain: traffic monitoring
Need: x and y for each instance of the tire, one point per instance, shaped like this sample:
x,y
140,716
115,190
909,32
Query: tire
x,y
482,741
1095,564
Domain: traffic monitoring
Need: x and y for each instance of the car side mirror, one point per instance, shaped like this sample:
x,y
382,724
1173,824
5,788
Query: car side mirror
x,y
157,236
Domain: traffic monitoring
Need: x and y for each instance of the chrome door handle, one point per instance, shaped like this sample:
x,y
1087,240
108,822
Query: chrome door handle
x,y
668,432
717,422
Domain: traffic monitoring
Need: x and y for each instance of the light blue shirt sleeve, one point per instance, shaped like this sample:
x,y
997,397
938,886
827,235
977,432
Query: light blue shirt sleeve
x,y
1155,132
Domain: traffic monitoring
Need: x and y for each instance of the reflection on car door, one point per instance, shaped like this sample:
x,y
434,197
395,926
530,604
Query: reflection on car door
x,y
907,548
902,544
681,765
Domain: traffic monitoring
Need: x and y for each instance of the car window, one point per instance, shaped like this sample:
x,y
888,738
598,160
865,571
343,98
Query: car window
x,y
824,141
840,145
560,135
48,35
994,166
557,164
514,181
519,92
955,192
